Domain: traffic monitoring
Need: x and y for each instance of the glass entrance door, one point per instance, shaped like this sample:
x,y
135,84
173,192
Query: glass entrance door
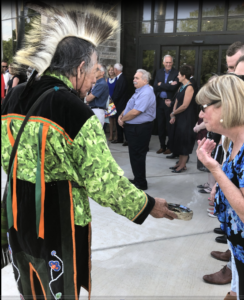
x,y
208,64
206,60
148,60
189,56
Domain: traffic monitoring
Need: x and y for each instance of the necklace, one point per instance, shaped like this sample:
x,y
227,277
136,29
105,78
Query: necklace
x,y
182,88
111,80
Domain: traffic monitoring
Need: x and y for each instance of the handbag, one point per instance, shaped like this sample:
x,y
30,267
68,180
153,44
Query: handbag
x,y
5,257
111,110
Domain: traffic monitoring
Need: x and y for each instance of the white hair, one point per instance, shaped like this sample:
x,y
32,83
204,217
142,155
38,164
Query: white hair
x,y
145,75
167,55
102,68
118,66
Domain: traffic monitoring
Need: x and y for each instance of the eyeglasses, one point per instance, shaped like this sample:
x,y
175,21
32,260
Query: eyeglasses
x,y
203,107
4,66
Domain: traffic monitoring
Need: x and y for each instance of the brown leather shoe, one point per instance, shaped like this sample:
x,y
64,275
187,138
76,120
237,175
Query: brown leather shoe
x,y
167,151
229,297
161,150
224,256
224,276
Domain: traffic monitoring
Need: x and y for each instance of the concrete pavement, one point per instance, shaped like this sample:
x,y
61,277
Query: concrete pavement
x,y
159,259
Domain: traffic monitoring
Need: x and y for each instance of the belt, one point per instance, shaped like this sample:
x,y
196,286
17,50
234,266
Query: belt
x,y
138,124
97,107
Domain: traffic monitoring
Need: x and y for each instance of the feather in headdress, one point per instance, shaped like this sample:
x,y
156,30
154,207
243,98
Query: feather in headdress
x,y
85,22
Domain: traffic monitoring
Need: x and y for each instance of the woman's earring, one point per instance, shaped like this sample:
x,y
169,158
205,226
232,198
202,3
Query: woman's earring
x,y
221,121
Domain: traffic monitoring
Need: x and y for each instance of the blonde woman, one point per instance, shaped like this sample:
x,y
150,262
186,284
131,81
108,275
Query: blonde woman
x,y
111,85
15,79
222,110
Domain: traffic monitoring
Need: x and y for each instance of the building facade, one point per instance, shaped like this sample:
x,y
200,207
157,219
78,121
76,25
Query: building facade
x,y
193,32
16,21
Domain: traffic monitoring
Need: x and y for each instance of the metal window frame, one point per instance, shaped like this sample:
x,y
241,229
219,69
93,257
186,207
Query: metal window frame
x,y
200,18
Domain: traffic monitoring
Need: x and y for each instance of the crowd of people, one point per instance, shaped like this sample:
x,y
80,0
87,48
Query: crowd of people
x,y
173,100
72,161
227,133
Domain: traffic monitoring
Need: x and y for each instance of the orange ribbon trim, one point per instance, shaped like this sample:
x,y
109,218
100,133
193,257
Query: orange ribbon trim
x,y
14,199
44,138
32,282
73,238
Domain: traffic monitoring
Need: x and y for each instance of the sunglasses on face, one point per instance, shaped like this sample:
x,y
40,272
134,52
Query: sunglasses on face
x,y
4,66
203,107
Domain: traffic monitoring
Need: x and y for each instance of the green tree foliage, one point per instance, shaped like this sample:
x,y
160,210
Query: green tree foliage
x,y
219,10
146,27
8,50
209,64
148,61
189,25
213,19
235,24
187,57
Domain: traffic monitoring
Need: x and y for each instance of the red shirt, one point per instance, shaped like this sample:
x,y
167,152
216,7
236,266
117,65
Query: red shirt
x,y
2,86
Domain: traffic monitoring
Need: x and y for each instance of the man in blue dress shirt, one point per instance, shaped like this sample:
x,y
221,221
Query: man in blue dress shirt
x,y
137,120
98,97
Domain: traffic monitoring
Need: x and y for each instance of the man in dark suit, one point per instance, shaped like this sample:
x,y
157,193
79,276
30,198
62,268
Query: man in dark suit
x,y
165,90
120,99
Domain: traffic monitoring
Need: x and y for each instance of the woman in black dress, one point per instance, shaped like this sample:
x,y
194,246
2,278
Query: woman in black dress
x,y
16,78
184,118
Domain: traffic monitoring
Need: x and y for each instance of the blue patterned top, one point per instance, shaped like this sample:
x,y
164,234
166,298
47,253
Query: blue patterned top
x,y
231,224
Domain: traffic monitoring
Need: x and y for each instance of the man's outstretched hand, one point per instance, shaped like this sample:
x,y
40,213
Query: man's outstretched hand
x,y
160,210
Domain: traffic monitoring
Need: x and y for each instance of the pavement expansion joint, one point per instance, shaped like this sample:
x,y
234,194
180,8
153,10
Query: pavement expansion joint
x,y
166,175
151,241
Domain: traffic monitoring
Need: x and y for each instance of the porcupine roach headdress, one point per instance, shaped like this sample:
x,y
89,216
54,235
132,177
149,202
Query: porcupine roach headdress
x,y
85,22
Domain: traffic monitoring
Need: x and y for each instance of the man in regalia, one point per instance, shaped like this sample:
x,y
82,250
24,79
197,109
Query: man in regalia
x,y
62,156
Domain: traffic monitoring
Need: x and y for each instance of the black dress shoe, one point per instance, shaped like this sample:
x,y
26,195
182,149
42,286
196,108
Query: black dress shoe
x,y
221,239
117,142
203,186
125,143
218,231
141,187
181,170
172,156
203,192
132,181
